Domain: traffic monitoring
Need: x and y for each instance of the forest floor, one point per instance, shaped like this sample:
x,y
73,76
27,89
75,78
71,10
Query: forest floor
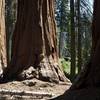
x,y
31,90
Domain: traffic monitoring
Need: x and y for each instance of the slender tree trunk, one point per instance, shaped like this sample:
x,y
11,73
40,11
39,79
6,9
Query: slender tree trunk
x,y
61,30
79,38
73,51
3,60
34,42
10,17
61,44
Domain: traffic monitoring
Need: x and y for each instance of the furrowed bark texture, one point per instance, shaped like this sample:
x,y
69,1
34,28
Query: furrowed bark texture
x,y
34,41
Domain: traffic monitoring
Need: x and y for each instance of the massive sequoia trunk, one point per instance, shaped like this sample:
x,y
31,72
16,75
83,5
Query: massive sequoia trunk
x,y
34,43
3,60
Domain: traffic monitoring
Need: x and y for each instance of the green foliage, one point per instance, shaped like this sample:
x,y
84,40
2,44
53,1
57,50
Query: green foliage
x,y
62,14
62,18
65,65
64,25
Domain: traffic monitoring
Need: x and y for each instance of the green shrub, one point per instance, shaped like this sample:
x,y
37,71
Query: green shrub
x,y
65,65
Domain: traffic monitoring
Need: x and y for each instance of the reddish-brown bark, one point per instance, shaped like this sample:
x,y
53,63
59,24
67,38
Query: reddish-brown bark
x,y
34,42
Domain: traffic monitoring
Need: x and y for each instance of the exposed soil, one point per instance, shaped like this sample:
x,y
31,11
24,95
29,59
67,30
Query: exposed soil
x,y
32,86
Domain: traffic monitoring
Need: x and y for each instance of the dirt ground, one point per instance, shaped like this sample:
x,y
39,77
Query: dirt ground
x,y
12,90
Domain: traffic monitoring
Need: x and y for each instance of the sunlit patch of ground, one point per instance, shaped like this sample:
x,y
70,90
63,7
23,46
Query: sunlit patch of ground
x,y
32,86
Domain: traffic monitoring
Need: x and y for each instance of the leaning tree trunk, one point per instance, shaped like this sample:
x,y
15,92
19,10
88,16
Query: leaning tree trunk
x,y
34,43
3,60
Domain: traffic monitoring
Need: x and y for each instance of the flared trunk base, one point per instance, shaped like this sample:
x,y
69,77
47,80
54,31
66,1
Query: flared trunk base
x,y
46,70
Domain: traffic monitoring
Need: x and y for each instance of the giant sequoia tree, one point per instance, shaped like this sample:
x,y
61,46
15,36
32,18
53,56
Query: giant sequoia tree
x,y
3,61
34,42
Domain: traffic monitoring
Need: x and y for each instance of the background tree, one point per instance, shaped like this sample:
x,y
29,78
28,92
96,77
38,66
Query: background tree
x,y
34,42
82,27
86,23
62,18
89,77
79,38
83,17
72,46
10,17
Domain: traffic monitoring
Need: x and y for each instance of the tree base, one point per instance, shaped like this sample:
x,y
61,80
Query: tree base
x,y
46,70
